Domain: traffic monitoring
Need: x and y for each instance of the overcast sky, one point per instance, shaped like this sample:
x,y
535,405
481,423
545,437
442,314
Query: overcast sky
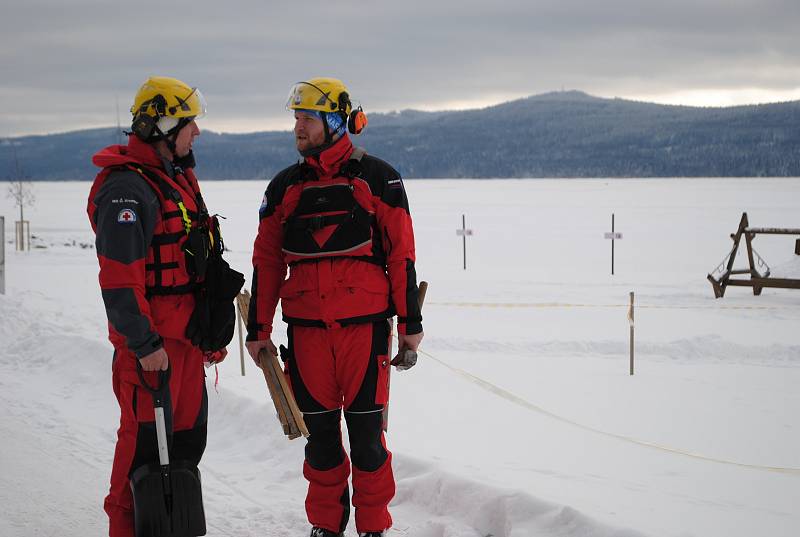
x,y
64,64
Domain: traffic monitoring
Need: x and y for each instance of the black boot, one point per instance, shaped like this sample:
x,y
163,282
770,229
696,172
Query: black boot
x,y
322,532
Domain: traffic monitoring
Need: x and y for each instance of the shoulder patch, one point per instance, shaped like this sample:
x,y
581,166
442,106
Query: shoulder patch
x,y
126,216
264,203
395,183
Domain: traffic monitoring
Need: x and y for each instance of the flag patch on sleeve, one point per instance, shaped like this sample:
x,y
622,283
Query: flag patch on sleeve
x,y
126,216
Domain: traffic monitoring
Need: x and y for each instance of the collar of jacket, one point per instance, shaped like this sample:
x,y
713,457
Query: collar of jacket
x,y
327,163
136,152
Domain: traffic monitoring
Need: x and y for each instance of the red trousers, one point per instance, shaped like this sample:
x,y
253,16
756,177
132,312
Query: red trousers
x,y
136,437
331,369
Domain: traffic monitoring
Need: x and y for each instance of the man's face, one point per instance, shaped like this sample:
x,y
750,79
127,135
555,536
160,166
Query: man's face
x,y
185,138
308,131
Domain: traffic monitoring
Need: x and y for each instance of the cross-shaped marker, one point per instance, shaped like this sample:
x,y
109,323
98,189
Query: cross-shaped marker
x,y
614,235
464,232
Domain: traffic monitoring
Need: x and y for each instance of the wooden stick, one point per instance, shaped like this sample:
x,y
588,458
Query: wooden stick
x,y
423,289
385,413
274,390
291,405
241,337
289,415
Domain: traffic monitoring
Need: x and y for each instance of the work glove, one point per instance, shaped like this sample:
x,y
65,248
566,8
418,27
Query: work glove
x,y
405,359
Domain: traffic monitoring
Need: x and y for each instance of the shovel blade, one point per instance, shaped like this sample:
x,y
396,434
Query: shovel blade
x,y
159,514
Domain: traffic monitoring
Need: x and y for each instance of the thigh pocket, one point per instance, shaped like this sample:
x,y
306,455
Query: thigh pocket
x,y
382,386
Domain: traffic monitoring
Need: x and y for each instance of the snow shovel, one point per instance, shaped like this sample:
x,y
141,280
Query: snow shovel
x,y
167,497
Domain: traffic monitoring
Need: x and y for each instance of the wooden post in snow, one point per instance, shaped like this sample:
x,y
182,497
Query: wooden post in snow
x,y
630,321
613,235
2,255
464,233
241,336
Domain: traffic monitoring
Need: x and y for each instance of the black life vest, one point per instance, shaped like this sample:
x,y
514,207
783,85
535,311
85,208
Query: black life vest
x,y
331,204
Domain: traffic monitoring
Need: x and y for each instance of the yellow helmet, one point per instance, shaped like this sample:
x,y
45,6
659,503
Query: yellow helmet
x,y
164,105
321,94
327,96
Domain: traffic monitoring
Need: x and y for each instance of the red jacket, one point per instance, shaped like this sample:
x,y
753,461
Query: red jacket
x,y
140,232
350,262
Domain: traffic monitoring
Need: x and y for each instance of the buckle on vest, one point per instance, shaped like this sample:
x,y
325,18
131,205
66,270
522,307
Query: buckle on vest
x,y
315,222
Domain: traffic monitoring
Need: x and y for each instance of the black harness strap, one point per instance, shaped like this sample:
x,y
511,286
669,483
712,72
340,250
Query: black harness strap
x,y
185,289
365,258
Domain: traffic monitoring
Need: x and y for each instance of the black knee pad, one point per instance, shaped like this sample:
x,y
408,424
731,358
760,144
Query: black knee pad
x,y
366,450
324,446
189,445
146,446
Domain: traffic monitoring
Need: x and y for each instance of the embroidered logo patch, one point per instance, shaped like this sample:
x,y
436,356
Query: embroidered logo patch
x,y
263,203
126,216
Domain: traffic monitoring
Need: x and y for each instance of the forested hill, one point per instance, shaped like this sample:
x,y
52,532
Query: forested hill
x,y
562,134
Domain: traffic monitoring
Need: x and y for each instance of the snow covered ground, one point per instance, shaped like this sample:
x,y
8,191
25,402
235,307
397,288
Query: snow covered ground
x,y
521,418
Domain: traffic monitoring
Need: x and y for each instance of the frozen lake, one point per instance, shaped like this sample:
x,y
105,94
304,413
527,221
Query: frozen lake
x,y
521,418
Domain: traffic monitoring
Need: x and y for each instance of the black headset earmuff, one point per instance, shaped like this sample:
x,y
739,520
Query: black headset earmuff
x,y
143,126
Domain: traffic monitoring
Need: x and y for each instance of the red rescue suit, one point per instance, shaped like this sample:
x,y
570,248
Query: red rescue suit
x,y
146,287
340,221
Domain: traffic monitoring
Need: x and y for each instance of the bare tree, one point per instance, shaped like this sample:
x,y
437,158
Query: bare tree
x,y
19,190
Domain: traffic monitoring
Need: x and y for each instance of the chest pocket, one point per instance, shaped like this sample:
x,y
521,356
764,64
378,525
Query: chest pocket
x,y
327,221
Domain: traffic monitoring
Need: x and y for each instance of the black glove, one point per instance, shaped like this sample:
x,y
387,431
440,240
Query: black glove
x,y
405,359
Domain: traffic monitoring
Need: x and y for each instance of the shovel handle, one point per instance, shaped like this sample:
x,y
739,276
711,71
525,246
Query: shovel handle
x,y
159,394
161,436
163,384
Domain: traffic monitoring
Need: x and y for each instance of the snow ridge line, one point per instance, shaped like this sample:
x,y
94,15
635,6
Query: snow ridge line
x,y
574,305
505,394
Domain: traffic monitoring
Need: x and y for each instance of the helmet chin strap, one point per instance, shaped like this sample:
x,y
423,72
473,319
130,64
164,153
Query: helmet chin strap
x,y
169,139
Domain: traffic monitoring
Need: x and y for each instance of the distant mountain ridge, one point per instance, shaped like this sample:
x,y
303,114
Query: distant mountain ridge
x,y
558,134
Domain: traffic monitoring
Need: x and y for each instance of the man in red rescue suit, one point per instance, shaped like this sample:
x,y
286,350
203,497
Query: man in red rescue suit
x,y
140,207
340,221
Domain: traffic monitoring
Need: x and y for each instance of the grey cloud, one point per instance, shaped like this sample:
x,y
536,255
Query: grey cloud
x,y
62,64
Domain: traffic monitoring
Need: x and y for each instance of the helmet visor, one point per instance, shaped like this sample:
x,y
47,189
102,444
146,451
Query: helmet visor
x,y
307,96
193,105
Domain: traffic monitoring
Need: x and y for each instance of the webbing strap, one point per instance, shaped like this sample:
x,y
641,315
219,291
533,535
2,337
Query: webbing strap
x,y
168,192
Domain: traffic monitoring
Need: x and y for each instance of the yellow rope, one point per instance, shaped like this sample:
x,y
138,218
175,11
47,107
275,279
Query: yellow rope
x,y
574,305
519,401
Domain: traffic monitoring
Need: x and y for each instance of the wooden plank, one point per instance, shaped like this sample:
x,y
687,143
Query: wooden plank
x,y
270,362
743,223
748,238
718,291
773,231
782,283
291,404
736,238
274,393
282,397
